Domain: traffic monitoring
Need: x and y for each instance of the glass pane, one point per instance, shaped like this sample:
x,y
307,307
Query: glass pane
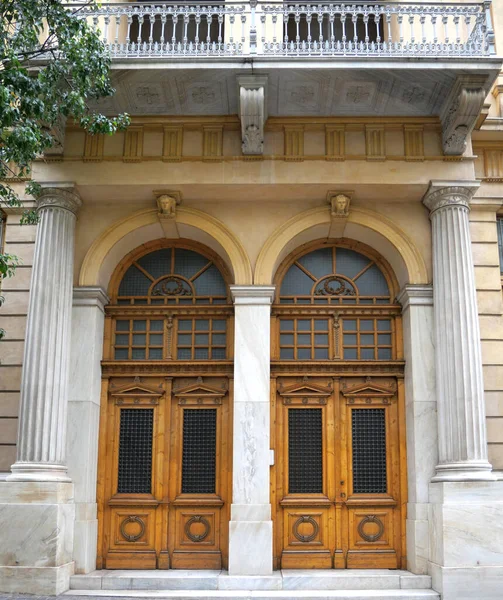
x,y
321,325
218,353
367,354
366,340
305,450
319,262
139,325
321,353
369,451
122,340
384,325
350,263
350,354
321,339
366,325
296,283
199,451
156,300
157,263
202,324
121,354
372,283
138,353
286,339
188,262
304,325
219,338
286,353
210,283
155,353
184,340
349,339
135,451
349,324
134,283
202,338
201,354
219,325
122,325
156,325
304,353
184,325
384,353
384,339
155,339
184,354
304,340
286,325
139,339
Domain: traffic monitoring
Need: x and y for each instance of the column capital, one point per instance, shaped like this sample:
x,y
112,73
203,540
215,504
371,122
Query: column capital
x,y
90,296
253,294
415,295
59,195
443,194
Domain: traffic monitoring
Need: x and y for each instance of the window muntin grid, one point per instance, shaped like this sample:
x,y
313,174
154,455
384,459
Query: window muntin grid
x,y
201,339
305,451
139,339
304,339
367,339
199,451
334,276
172,276
135,451
369,450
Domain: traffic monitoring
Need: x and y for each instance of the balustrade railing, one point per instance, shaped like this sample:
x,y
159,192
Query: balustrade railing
x,y
290,29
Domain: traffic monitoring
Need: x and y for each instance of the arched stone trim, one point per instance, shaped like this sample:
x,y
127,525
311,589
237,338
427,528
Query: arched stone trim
x,y
272,252
239,261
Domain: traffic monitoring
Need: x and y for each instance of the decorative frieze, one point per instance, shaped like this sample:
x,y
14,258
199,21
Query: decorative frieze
x,y
212,142
335,142
133,144
172,143
294,142
493,163
374,142
413,142
93,147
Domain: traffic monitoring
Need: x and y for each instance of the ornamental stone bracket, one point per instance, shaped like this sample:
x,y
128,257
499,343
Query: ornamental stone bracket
x,y
167,201
57,132
461,111
253,112
339,212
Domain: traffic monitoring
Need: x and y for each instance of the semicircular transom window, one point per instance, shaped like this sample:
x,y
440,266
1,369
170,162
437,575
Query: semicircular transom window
x,y
334,275
172,276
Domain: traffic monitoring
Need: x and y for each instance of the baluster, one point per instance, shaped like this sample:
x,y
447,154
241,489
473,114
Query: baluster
x,y
320,25
151,18
400,29
377,20
390,36
445,19
186,19
309,17
231,38
354,18
209,21
116,38
343,23
198,23
265,44
422,20
297,24
456,23
434,25
467,45
366,23
412,36
332,33
163,31
286,18
140,25
105,33
174,17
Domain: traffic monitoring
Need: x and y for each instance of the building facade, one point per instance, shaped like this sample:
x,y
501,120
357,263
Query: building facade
x,y
262,329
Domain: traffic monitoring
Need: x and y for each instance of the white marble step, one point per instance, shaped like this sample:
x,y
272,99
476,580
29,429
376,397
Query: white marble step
x,y
261,595
288,580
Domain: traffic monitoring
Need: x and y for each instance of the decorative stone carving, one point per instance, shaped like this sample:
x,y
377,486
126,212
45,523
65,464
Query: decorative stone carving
x,y
461,111
253,112
167,203
339,212
458,357
41,451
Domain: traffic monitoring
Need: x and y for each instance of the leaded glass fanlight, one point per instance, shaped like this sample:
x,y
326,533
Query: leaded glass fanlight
x,y
334,275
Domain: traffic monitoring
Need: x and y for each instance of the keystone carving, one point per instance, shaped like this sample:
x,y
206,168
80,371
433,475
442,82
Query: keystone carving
x,y
167,203
253,113
460,113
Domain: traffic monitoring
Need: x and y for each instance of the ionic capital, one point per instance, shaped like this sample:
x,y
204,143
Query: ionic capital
x,y
59,196
449,194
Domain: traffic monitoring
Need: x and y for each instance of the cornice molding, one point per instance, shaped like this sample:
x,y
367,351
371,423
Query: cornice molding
x,y
253,294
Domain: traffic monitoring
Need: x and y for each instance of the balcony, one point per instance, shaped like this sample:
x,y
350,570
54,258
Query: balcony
x,y
302,59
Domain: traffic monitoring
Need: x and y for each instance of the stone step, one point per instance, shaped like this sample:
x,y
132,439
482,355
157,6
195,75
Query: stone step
x,y
294,580
260,594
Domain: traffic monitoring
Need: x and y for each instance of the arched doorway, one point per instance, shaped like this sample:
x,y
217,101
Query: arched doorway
x,y
165,427
339,479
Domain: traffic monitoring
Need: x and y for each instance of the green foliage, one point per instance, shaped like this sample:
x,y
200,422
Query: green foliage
x,y
52,64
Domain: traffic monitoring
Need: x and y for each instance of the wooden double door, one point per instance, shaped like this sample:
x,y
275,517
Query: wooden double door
x,y
338,484
165,472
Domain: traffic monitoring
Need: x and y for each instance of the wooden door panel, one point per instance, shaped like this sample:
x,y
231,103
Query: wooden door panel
x,y
132,538
306,538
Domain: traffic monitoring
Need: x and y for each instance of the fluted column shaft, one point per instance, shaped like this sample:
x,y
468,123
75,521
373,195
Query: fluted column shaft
x,y
44,382
460,389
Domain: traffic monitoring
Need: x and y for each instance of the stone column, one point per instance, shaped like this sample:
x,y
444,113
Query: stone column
x,y
250,528
460,389
44,384
88,319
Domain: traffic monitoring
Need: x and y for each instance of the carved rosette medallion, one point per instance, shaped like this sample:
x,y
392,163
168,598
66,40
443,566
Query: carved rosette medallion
x,y
376,535
197,537
128,536
304,538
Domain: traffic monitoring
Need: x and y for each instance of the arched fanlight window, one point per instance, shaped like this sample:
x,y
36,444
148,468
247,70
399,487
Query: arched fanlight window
x,y
334,275
172,276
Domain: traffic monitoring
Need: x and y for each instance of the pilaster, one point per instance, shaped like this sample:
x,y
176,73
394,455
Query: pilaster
x,y
459,382
250,527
